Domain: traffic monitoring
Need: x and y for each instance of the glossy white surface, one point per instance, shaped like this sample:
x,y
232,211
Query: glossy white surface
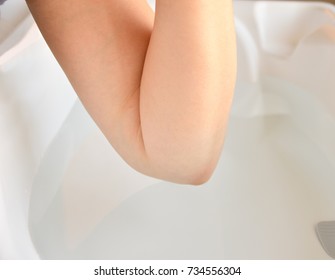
x,y
12,14
64,192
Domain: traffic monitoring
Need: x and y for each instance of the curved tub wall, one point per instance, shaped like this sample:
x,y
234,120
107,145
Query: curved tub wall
x,y
40,113
34,100
285,51
305,57
79,168
299,23
11,15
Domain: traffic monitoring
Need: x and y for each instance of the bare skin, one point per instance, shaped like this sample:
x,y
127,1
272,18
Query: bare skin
x,y
158,86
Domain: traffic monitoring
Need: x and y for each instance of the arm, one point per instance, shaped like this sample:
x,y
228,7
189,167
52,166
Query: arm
x,y
159,87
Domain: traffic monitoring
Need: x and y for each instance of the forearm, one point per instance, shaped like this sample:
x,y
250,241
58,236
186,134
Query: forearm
x,y
187,85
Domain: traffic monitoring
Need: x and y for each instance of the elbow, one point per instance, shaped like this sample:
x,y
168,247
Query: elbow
x,y
193,171
200,175
197,180
190,162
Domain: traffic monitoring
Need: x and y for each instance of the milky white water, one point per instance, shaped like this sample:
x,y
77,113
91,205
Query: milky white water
x,y
274,182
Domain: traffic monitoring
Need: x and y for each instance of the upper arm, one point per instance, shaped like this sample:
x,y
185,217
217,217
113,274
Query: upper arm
x,y
101,46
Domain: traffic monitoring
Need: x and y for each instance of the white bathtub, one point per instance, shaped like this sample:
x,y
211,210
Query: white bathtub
x,y
65,193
